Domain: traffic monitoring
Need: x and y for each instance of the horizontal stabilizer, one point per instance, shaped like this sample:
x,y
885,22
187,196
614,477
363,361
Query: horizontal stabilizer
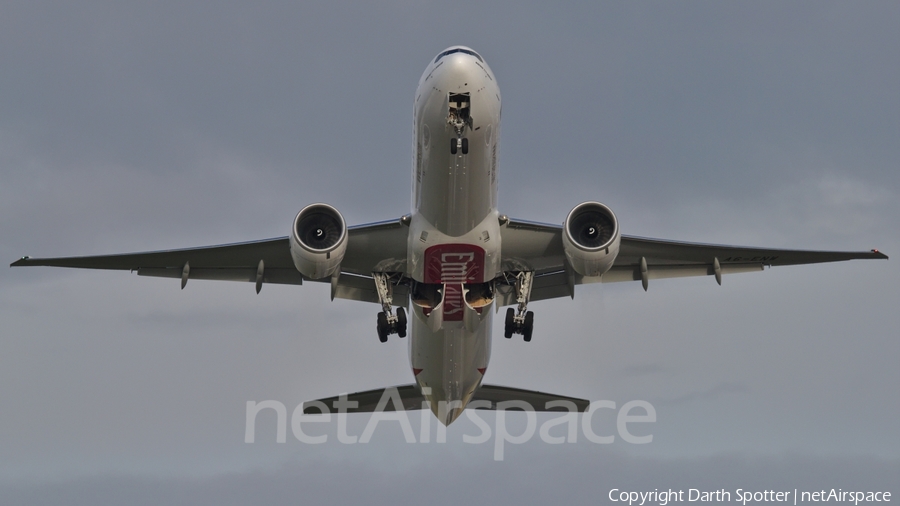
x,y
409,397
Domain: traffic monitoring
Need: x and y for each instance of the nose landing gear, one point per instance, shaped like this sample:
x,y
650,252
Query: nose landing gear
x,y
459,118
460,144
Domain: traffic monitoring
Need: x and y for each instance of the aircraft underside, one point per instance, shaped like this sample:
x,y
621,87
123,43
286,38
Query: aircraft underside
x,y
442,271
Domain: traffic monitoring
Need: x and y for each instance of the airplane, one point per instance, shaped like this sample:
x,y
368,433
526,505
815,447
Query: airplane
x,y
454,260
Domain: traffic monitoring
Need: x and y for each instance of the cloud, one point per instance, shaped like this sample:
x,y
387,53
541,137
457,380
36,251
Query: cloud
x,y
704,395
537,475
179,124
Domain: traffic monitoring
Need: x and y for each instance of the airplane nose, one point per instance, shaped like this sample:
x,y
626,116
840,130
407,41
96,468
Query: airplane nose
x,y
457,71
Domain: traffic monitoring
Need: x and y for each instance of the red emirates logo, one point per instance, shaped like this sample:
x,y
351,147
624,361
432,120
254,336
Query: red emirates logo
x,y
452,265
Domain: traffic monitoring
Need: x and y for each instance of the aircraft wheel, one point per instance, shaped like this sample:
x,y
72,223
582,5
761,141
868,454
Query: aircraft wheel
x,y
452,146
401,322
382,327
508,327
529,326
465,146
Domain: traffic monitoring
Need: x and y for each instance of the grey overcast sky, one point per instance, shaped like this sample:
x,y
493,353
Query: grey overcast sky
x,y
130,126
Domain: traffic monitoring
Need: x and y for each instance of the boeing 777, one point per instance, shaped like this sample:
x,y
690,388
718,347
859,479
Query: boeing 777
x,y
455,259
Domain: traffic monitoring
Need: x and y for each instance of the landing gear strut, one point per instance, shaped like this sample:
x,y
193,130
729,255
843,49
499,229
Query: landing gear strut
x,y
387,322
521,321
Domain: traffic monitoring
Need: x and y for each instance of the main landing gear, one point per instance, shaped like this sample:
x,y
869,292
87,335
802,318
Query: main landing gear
x,y
387,322
520,320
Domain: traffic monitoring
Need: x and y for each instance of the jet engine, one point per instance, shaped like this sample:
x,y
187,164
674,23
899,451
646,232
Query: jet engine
x,y
591,238
318,241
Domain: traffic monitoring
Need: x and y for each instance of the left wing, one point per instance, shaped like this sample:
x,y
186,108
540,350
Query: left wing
x,y
538,247
370,248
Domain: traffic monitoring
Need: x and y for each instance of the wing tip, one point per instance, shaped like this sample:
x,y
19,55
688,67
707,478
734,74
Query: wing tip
x,y
878,254
20,262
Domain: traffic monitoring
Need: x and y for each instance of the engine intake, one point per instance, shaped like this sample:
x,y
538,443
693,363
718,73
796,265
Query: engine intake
x,y
318,240
591,238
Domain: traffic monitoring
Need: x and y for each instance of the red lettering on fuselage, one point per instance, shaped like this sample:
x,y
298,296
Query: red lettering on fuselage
x,y
453,265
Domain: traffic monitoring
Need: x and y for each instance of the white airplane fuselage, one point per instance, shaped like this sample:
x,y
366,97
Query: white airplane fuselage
x,y
454,240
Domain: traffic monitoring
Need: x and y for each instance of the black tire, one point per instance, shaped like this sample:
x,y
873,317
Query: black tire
x,y
452,146
465,146
508,327
401,322
529,326
382,325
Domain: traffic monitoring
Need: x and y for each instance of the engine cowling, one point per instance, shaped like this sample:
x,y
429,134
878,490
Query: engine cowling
x,y
318,240
591,238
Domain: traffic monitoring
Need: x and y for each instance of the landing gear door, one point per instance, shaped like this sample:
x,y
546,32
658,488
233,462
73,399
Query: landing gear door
x,y
459,115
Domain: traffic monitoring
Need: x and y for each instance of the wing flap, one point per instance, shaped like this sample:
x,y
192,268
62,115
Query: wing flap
x,y
663,271
362,288
349,286
276,276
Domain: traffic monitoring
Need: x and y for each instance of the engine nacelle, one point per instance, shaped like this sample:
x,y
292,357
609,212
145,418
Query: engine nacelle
x,y
591,238
318,241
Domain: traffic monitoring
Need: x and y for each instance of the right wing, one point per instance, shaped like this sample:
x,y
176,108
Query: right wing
x,y
538,247
375,247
